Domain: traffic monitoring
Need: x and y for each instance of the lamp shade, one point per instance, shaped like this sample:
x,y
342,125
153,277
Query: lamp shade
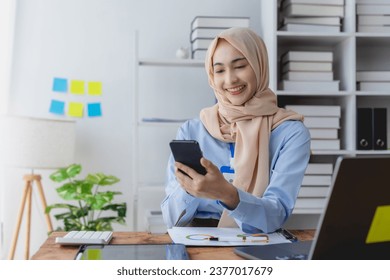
x,y
37,143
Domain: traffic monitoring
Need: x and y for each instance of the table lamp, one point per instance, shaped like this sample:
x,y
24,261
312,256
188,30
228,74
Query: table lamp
x,y
35,143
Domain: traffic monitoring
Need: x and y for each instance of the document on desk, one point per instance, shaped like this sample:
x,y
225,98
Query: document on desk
x,y
214,236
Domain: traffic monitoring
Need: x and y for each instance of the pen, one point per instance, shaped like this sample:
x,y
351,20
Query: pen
x,y
288,235
238,239
80,252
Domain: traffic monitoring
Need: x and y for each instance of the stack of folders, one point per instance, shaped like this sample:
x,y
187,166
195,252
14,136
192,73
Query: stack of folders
x,y
308,71
323,122
373,80
315,186
311,15
373,16
205,28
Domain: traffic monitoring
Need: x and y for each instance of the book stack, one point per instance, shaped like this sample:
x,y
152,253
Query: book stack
x,y
315,185
323,122
311,15
308,70
373,80
205,28
373,16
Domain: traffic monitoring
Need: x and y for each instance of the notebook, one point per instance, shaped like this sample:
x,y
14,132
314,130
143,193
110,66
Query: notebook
x,y
355,224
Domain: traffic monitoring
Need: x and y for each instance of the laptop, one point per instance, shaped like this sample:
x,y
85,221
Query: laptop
x,y
356,222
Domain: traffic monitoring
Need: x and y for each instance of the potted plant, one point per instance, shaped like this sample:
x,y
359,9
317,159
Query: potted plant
x,y
93,207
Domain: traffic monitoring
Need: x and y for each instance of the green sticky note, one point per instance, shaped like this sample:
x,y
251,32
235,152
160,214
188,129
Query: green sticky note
x,y
380,226
94,88
94,254
77,87
75,109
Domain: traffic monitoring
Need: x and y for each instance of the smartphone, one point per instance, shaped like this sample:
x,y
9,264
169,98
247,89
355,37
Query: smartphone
x,y
189,153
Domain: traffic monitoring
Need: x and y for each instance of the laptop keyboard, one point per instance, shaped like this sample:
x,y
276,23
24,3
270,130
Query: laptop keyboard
x,y
85,237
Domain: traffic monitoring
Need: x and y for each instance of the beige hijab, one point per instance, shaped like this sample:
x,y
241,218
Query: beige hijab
x,y
249,125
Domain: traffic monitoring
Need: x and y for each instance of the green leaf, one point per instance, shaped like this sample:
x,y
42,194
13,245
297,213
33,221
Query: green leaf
x,y
84,188
75,190
65,173
59,206
68,191
120,208
73,170
59,175
102,179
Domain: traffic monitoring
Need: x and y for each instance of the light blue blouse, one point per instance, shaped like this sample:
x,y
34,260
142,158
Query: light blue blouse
x,y
289,156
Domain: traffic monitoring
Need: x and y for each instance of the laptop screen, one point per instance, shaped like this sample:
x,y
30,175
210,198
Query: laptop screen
x,y
356,223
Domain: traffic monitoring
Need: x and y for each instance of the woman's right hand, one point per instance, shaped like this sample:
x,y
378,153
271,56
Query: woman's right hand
x,y
212,185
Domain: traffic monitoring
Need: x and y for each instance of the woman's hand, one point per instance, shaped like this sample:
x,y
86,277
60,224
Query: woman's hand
x,y
212,185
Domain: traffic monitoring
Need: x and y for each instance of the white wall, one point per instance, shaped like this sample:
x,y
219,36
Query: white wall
x,y
7,21
93,40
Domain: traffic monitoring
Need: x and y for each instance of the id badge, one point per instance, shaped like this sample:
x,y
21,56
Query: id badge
x,y
228,173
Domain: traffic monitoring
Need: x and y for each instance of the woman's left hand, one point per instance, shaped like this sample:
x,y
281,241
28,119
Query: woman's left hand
x,y
212,185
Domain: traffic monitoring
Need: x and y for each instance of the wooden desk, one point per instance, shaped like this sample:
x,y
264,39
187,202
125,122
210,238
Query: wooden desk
x,y
52,251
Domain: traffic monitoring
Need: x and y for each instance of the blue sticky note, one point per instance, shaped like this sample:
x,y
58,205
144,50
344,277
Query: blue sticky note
x,y
94,110
60,85
57,107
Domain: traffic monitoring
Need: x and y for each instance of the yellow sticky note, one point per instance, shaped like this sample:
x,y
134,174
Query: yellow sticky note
x,y
77,87
94,88
380,226
75,109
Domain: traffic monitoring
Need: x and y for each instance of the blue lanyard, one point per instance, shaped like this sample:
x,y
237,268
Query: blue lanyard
x,y
231,150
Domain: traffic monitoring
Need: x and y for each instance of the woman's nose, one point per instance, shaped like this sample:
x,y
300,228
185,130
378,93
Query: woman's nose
x,y
231,77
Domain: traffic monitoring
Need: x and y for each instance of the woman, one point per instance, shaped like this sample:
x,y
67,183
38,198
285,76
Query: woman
x,y
255,153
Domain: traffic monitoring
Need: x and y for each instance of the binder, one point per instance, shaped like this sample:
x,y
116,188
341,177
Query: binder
x,y
364,129
371,129
379,129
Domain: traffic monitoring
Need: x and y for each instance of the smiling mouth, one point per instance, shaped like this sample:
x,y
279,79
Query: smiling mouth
x,y
235,90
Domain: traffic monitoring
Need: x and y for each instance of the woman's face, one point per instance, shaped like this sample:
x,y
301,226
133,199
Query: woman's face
x,y
233,75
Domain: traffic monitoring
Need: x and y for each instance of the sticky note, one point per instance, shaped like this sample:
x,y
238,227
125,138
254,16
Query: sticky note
x,y
380,226
94,110
60,85
57,107
75,109
94,88
94,254
77,87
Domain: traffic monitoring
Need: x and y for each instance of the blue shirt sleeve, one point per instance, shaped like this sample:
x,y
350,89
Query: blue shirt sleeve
x,y
289,155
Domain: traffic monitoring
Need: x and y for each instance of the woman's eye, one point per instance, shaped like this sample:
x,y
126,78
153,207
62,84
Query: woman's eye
x,y
217,71
240,66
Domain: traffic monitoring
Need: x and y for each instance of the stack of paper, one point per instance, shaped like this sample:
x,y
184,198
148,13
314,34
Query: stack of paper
x,y
205,28
308,71
373,16
373,80
311,15
323,122
315,186
215,236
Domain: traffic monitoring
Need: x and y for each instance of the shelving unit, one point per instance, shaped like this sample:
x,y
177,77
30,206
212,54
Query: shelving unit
x,y
352,51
